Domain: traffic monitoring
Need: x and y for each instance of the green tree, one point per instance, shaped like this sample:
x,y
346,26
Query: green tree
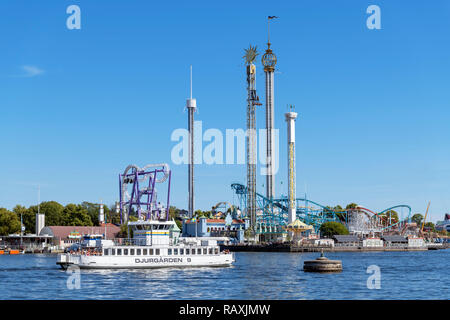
x,y
351,206
390,217
76,215
174,214
332,228
9,223
417,218
202,214
53,213
114,217
28,218
93,209
430,226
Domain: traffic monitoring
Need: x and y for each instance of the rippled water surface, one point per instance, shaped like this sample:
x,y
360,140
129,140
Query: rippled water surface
x,y
404,275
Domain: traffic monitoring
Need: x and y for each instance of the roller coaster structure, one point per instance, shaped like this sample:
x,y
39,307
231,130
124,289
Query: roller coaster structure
x,y
272,215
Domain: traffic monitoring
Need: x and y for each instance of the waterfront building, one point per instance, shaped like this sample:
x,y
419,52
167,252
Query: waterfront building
x,y
395,241
416,242
346,240
372,243
27,242
228,227
65,236
324,242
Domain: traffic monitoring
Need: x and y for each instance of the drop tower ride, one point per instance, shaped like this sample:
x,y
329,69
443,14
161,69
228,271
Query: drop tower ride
x,y
269,60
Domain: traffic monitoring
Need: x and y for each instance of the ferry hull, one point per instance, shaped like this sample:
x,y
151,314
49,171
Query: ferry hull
x,y
105,262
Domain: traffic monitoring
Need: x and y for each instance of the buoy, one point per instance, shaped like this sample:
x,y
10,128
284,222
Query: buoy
x,y
322,264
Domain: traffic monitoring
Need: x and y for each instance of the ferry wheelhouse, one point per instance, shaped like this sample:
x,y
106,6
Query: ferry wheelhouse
x,y
155,243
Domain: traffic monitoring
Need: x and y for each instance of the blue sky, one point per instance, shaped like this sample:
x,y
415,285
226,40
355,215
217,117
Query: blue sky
x,y
78,106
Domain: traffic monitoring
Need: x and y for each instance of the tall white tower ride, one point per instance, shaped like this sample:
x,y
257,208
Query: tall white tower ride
x,y
252,101
191,105
290,119
269,60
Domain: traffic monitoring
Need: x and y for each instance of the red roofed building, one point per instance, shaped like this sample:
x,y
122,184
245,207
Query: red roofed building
x,y
65,236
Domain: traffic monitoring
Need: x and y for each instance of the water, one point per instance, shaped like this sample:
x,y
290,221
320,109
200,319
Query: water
x,y
404,275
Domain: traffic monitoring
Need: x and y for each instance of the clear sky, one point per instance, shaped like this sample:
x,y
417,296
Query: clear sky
x,y
78,106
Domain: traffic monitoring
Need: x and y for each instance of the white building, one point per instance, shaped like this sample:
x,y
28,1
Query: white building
x,y
372,243
415,242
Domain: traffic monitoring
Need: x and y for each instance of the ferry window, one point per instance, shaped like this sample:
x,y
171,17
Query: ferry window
x,y
113,252
169,252
199,251
150,252
125,252
181,251
175,251
204,250
119,252
131,252
187,251
161,227
216,250
138,252
144,252
193,251
105,252
157,251
210,251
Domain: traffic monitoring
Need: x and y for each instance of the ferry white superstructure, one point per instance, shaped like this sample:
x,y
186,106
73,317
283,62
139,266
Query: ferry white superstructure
x,y
152,246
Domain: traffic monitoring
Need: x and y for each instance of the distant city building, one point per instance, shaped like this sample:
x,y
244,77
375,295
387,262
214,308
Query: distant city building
x,y
444,225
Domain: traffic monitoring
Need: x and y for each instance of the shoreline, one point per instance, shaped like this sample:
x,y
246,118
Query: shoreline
x,y
291,248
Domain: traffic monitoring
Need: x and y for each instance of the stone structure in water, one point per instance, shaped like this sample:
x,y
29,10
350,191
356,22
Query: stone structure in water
x,y
322,264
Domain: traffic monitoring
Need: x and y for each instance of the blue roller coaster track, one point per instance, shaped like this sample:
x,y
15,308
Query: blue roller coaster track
x,y
272,213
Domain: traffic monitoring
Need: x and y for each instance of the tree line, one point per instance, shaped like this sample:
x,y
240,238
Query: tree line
x,y
56,214
84,214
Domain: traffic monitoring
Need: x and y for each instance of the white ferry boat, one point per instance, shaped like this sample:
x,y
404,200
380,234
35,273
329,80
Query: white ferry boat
x,y
152,246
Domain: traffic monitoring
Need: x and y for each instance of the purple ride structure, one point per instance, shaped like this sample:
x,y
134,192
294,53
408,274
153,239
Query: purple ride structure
x,y
138,194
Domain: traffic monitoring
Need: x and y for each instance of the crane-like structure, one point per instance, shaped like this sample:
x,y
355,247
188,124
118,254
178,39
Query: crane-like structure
x,y
425,218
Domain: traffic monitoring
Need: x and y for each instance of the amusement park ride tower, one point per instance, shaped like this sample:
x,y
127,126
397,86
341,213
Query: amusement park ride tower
x,y
252,101
290,119
191,105
269,60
